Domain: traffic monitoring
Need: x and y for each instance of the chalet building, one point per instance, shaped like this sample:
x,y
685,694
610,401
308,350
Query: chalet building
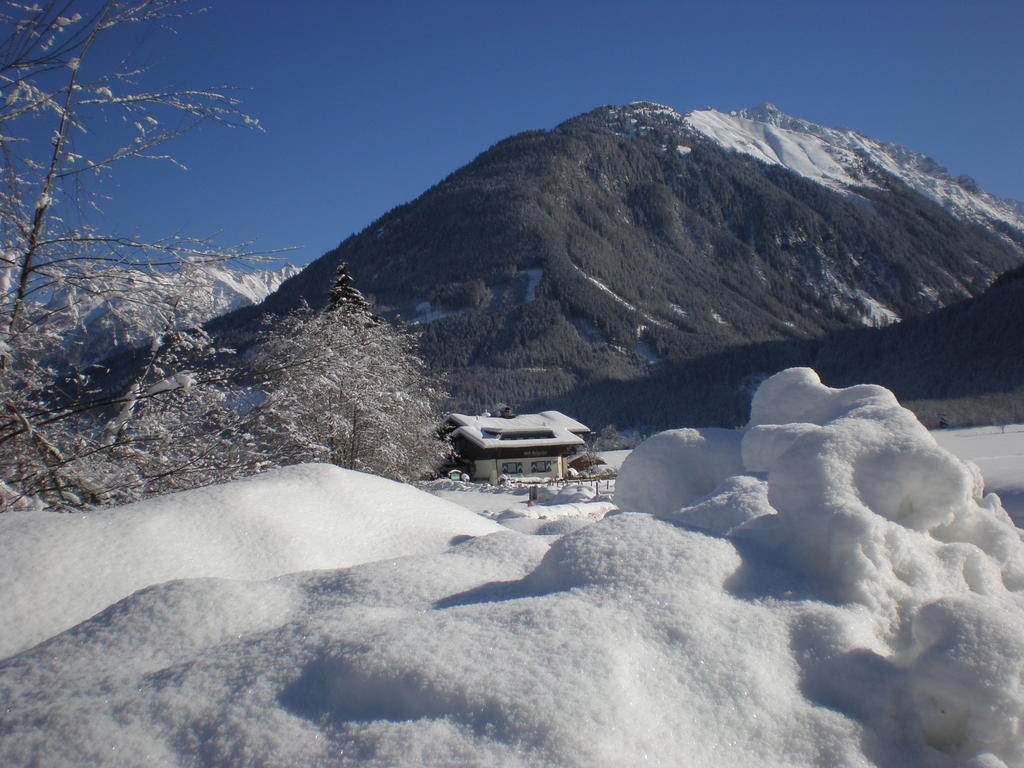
x,y
527,445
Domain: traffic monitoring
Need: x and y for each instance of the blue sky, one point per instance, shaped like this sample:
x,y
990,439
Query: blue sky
x,y
365,105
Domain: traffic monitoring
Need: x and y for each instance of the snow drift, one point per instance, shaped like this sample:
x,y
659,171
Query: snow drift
x,y
292,519
864,512
825,587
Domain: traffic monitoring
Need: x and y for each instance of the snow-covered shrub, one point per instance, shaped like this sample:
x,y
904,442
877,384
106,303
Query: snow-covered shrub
x,y
68,76
346,388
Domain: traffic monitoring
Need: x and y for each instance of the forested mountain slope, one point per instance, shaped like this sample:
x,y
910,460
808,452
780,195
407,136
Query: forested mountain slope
x,y
625,240
961,365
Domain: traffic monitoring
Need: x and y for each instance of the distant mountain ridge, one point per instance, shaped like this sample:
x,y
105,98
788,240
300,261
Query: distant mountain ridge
x,y
962,365
150,302
634,237
765,131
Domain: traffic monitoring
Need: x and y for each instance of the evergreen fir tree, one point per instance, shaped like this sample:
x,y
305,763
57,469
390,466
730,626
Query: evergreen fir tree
x,y
345,298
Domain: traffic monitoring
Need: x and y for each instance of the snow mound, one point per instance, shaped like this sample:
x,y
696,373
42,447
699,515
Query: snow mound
x,y
675,467
849,491
868,502
824,587
297,518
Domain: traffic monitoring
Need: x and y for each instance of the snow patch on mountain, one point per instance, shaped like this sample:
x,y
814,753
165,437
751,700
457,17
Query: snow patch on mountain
x,y
876,313
644,350
533,280
805,154
835,157
427,313
838,158
605,289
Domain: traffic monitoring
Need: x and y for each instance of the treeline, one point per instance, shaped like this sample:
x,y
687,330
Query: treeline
x,y
960,366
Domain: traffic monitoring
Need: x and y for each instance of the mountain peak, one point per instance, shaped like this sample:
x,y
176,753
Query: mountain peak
x,y
638,118
767,112
841,158
652,106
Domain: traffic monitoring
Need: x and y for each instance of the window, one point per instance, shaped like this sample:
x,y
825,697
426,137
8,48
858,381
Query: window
x,y
512,468
540,466
536,434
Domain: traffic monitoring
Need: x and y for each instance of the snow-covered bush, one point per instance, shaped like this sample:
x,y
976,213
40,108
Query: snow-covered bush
x,y
345,388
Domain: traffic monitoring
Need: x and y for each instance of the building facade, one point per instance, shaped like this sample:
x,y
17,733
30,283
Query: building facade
x,y
517,446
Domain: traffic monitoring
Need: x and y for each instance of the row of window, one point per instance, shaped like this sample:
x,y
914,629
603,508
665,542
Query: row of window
x,y
516,467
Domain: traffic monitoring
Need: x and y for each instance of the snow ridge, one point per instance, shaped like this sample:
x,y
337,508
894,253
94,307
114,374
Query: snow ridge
x,y
837,155
841,159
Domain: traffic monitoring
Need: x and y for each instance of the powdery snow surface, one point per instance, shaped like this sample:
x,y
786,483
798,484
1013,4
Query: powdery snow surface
x,y
292,519
827,587
559,509
999,453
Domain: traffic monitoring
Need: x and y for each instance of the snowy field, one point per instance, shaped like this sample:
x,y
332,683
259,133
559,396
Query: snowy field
x,y
559,508
827,587
999,453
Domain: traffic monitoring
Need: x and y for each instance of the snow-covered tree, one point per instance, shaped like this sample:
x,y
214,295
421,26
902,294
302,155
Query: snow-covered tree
x,y
346,388
182,422
57,87
345,297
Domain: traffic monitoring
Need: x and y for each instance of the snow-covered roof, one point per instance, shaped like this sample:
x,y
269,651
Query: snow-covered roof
x,y
527,430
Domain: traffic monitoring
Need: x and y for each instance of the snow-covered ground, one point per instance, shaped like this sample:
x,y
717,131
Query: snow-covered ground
x,y
999,454
294,519
559,508
614,459
828,586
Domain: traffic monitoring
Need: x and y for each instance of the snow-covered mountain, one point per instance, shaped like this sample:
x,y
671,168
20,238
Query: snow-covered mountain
x,y
141,304
632,238
838,158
